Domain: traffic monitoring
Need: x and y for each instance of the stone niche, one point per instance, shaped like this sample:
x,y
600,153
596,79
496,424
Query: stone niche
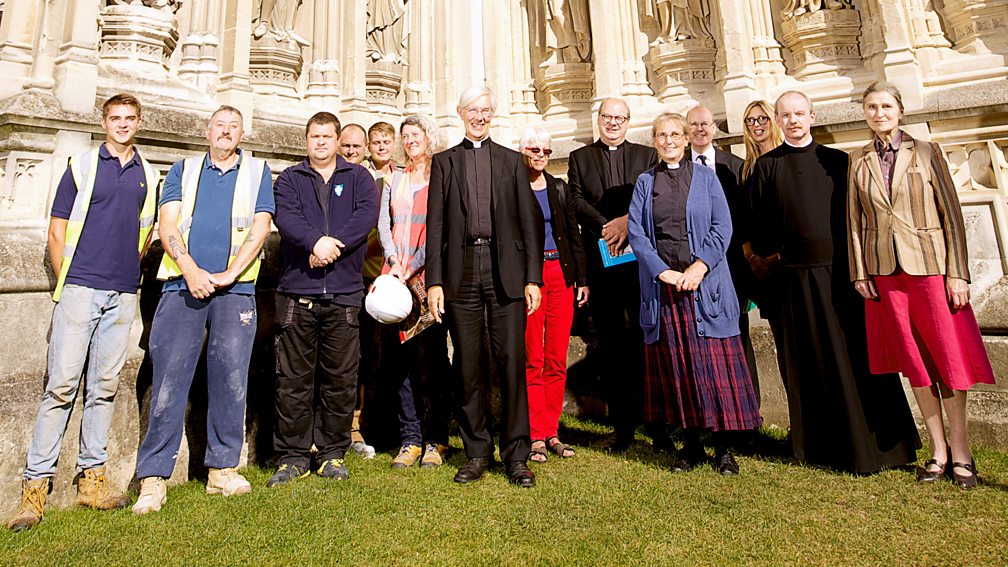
x,y
823,42
383,79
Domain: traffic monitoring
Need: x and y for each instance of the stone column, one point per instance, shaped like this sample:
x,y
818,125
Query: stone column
x,y
738,83
354,17
76,72
894,58
48,28
324,70
419,54
767,60
198,64
978,26
138,37
927,30
17,43
522,88
234,88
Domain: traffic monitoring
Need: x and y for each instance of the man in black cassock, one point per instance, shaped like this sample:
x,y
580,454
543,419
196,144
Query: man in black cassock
x,y
841,415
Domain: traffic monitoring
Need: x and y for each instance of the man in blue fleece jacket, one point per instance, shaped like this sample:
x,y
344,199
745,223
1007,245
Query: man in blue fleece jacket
x,y
326,206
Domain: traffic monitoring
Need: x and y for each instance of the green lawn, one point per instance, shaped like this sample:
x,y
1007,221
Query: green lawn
x,y
594,509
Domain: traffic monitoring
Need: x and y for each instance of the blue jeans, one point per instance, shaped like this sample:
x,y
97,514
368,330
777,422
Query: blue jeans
x,y
87,325
176,341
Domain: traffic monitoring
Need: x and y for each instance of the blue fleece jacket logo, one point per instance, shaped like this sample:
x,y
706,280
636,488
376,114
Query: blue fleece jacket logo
x,y
338,189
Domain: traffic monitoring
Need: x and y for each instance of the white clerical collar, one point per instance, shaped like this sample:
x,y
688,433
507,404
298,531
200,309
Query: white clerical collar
x,y
805,145
613,148
477,143
671,165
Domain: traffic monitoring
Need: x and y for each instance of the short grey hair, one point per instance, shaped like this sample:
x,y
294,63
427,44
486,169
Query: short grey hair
x,y
776,106
533,134
884,87
668,117
474,92
429,128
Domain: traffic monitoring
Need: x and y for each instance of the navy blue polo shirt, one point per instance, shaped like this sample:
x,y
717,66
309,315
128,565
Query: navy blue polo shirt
x,y
209,241
107,256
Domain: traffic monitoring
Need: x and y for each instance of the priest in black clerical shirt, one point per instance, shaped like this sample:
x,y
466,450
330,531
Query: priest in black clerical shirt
x,y
841,415
601,177
485,236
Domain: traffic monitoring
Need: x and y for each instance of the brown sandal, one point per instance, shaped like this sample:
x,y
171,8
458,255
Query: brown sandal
x,y
563,450
537,454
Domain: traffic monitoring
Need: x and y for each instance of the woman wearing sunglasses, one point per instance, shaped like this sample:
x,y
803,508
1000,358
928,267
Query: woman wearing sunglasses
x,y
547,332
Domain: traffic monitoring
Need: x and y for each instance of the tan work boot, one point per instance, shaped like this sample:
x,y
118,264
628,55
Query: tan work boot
x,y
433,456
227,482
153,495
407,457
94,491
33,497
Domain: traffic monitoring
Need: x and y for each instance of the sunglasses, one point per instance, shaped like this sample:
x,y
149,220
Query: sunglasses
x,y
544,151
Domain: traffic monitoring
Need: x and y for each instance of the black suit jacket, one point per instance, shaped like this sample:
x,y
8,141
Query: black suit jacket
x,y
728,168
563,222
594,202
518,229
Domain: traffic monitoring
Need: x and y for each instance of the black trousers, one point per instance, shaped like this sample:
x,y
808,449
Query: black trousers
x,y
481,301
615,308
314,332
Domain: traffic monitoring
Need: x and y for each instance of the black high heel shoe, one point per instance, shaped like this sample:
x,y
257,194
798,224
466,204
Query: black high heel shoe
x,y
965,481
925,476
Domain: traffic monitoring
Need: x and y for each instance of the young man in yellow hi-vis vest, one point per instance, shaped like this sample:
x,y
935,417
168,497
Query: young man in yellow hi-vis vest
x,y
215,215
100,226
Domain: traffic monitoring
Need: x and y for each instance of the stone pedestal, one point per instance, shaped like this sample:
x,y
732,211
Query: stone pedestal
x,y
684,70
383,79
137,39
978,26
198,65
566,88
823,43
274,67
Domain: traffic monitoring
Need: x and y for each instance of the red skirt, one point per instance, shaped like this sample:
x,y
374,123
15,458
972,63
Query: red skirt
x,y
693,381
912,327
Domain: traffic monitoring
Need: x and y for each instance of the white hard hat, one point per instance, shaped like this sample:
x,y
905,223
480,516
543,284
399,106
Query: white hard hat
x,y
389,300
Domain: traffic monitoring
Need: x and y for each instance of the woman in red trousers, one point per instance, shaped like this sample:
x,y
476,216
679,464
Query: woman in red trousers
x,y
547,332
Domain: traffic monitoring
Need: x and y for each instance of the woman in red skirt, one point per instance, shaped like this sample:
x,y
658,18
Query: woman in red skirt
x,y
696,375
908,260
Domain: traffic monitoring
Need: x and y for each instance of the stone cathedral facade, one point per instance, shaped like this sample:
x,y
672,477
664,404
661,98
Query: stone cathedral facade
x,y
549,62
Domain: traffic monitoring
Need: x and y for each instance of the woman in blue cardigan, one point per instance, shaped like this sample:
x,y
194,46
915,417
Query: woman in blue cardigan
x,y
695,368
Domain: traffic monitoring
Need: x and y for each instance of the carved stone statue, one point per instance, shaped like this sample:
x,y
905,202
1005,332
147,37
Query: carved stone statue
x,y
276,19
799,7
387,30
570,41
679,19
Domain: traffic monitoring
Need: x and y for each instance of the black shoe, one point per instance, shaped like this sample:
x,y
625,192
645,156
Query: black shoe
x,y
288,472
520,475
965,481
726,464
620,443
688,459
473,470
924,475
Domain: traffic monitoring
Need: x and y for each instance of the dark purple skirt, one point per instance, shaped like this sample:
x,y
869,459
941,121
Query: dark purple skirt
x,y
693,381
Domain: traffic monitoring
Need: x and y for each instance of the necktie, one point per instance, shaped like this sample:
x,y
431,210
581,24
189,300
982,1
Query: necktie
x,y
703,159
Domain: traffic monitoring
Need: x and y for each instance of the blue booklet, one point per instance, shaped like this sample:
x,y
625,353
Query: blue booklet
x,y
608,260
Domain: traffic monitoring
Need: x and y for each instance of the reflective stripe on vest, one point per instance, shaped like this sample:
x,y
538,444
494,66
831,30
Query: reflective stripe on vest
x,y
84,169
246,193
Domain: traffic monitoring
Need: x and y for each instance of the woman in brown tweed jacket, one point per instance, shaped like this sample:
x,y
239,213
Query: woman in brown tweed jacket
x,y
908,259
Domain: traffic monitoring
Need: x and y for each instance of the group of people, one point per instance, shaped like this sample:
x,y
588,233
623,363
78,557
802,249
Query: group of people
x,y
858,263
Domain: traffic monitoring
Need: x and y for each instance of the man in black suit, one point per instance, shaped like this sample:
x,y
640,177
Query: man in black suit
x,y
601,177
728,168
485,236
